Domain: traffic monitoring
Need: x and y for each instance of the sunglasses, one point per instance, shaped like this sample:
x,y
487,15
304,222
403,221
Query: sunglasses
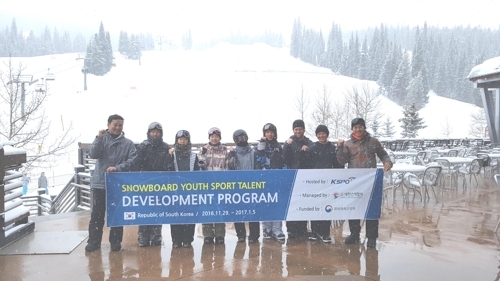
x,y
183,134
155,125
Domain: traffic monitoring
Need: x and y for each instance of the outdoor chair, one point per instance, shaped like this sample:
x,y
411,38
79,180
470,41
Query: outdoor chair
x,y
428,180
452,153
421,158
497,180
472,169
448,172
488,167
393,181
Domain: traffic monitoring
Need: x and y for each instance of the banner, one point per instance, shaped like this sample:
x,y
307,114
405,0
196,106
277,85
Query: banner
x,y
150,198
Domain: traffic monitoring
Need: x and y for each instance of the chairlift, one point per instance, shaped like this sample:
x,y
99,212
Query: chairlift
x,y
50,77
40,88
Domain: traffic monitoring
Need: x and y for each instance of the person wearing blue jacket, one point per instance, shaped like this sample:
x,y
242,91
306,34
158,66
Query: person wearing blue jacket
x,y
113,153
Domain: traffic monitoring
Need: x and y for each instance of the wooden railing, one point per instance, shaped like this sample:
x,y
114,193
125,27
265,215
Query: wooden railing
x,y
14,222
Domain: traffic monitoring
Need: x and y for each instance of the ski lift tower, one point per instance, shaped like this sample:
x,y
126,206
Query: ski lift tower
x,y
486,76
83,56
22,80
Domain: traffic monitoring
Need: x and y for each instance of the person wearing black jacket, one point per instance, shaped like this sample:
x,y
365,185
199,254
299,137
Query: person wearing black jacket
x,y
183,160
323,155
296,156
270,156
152,155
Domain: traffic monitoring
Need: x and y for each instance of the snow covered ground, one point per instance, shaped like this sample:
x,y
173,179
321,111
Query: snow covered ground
x,y
228,86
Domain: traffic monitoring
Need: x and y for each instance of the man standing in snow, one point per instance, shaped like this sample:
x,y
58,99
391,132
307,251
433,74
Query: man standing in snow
x,y
114,153
43,184
361,151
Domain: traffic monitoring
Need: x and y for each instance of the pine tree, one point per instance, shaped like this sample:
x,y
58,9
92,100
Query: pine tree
x,y
390,67
388,128
416,92
296,41
397,92
187,41
411,122
334,49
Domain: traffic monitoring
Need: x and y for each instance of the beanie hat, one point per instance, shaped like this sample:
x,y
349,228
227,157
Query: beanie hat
x,y
322,128
298,123
358,121
214,130
270,127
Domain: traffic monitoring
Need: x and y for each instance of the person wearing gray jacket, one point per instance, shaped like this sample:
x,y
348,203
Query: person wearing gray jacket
x,y
114,153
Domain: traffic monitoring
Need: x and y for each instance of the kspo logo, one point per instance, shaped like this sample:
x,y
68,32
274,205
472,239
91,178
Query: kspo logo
x,y
328,208
346,181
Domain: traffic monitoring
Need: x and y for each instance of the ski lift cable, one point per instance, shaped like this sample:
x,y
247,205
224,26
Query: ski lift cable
x,y
45,70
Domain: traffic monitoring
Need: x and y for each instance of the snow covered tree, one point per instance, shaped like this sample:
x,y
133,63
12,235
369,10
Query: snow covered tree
x,y
416,92
388,128
100,53
363,101
411,122
397,92
24,121
478,124
334,49
123,43
187,40
296,43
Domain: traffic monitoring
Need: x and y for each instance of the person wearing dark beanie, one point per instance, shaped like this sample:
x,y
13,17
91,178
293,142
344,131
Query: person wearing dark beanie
x,y
361,151
296,156
322,128
358,121
298,123
323,156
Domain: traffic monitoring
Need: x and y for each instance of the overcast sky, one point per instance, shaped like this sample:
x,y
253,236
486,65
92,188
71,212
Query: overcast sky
x,y
218,18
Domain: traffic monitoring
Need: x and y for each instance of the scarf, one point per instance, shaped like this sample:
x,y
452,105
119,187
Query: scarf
x,y
183,150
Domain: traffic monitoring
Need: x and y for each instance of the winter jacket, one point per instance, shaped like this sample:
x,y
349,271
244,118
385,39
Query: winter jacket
x,y
153,156
362,153
269,155
324,156
213,157
42,182
119,152
294,157
242,158
185,163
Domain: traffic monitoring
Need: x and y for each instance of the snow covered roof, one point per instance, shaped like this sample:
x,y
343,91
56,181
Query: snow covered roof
x,y
489,68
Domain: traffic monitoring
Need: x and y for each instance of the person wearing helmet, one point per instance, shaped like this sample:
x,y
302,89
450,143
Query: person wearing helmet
x,y
296,156
243,158
323,157
152,155
183,160
214,158
270,156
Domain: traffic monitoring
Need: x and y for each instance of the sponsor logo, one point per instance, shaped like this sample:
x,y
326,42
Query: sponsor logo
x,y
347,195
129,216
343,181
328,208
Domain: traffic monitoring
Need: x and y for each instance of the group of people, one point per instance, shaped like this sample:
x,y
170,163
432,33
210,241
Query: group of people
x,y
115,153
43,184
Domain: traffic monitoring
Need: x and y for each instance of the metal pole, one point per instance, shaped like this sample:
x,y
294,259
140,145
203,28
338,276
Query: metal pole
x,y
85,79
22,99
